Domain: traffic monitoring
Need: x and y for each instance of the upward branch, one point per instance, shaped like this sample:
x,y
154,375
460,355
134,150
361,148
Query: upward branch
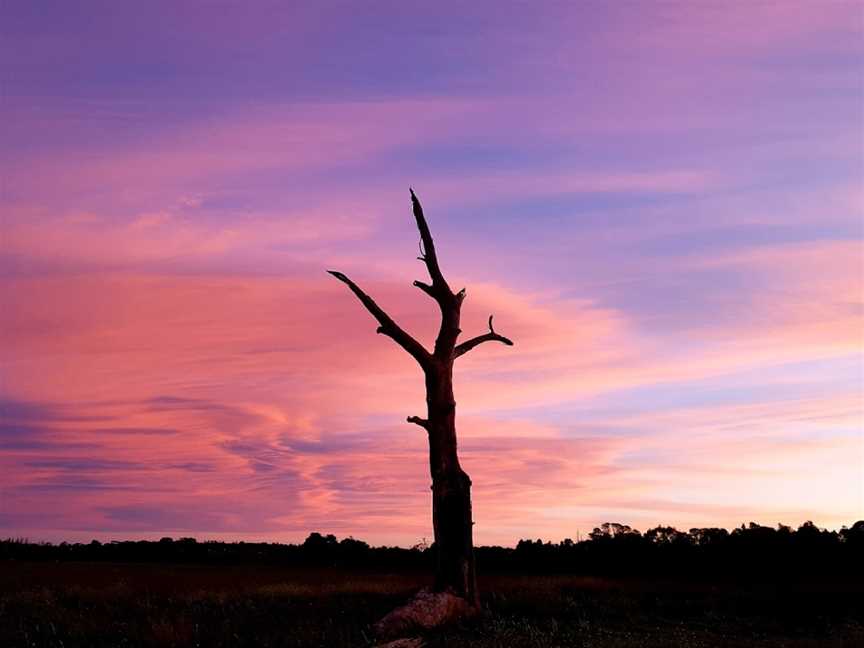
x,y
439,290
388,326
439,285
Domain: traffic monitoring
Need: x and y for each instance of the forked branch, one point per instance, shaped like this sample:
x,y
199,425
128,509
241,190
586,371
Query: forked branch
x,y
387,326
491,336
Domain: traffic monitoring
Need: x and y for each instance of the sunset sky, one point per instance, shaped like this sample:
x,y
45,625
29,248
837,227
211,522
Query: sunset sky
x,y
661,203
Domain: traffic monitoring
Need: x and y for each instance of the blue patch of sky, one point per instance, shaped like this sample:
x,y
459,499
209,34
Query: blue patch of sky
x,y
585,209
720,238
816,379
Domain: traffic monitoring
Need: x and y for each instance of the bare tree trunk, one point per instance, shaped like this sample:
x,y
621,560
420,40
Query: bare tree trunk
x,y
451,486
451,491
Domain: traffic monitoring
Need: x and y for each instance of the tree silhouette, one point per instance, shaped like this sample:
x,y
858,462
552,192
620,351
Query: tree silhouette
x,y
451,486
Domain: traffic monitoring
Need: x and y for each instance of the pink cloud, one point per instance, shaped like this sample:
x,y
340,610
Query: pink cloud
x,y
188,158
265,421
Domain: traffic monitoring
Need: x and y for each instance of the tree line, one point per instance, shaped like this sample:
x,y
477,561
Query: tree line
x,y
750,551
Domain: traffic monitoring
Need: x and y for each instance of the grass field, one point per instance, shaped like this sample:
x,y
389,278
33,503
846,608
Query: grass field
x,y
112,604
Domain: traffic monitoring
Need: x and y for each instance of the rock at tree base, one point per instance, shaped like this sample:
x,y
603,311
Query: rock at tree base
x,y
426,611
402,643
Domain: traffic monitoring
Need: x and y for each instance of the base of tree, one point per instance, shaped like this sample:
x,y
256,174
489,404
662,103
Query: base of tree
x,y
426,611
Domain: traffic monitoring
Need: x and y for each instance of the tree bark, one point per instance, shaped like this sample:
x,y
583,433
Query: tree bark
x,y
451,490
451,487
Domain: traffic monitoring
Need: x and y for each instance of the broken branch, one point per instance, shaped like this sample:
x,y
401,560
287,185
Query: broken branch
x,y
418,421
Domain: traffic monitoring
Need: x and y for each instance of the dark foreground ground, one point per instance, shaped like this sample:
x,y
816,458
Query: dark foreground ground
x,y
113,604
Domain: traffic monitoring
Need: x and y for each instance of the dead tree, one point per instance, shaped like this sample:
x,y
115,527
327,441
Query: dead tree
x,y
451,487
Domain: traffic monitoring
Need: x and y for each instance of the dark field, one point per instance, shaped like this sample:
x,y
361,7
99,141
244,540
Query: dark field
x,y
115,604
